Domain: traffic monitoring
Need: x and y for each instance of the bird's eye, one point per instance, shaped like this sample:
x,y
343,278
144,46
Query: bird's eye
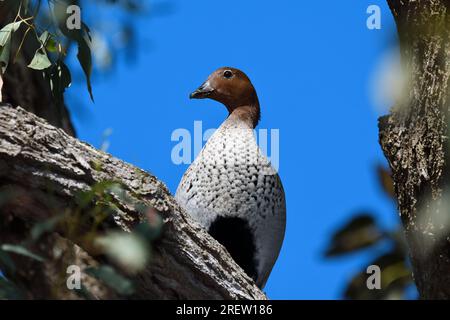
x,y
227,74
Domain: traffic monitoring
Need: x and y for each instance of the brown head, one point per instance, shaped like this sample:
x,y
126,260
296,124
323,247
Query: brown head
x,y
234,89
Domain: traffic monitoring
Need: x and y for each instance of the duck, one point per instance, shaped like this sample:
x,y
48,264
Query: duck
x,y
231,188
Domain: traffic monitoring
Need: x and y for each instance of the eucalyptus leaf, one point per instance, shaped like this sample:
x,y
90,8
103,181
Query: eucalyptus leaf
x,y
44,37
85,58
395,279
46,226
5,43
129,250
112,279
40,61
51,45
60,13
7,31
21,251
81,36
361,232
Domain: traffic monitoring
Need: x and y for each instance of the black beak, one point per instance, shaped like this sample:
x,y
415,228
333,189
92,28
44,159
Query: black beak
x,y
202,92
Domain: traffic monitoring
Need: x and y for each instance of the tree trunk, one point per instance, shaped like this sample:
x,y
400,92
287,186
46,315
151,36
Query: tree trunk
x,y
414,139
45,170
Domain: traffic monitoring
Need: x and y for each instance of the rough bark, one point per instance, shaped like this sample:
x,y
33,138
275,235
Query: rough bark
x,y
414,139
45,169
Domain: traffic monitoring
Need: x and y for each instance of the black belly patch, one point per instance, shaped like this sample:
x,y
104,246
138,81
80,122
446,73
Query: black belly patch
x,y
235,235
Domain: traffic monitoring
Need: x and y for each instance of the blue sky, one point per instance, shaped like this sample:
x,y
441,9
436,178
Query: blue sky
x,y
311,64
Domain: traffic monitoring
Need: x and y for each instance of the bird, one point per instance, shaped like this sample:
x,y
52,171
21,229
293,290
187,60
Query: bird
x,y
230,188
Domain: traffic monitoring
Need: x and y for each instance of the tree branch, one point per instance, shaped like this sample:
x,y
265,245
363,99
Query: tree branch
x,y
414,139
46,169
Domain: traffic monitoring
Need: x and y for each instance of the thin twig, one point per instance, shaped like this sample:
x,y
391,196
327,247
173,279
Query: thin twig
x,y
21,44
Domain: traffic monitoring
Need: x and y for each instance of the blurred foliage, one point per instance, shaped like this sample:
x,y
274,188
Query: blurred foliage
x,y
359,233
20,250
388,247
106,27
91,224
113,279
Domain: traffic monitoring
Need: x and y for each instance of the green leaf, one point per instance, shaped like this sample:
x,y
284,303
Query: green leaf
x,y
21,251
48,42
7,31
112,279
43,38
51,45
85,58
5,52
40,61
60,13
395,279
5,43
43,227
361,232
82,37
128,250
